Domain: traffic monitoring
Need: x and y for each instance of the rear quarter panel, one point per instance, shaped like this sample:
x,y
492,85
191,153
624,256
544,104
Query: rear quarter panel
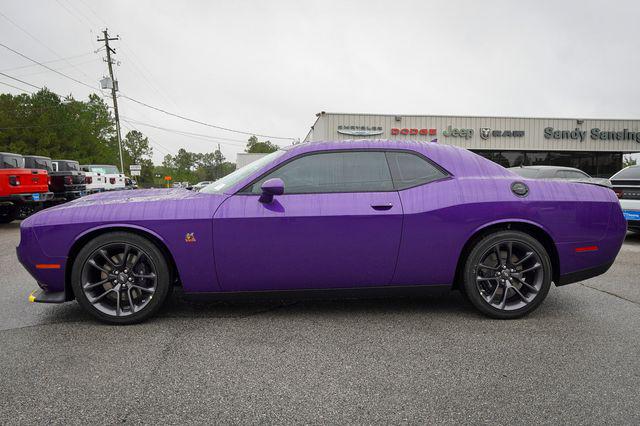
x,y
441,217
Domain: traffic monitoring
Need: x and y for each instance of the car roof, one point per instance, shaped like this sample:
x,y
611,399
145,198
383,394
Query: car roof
x,y
455,160
69,161
11,153
37,156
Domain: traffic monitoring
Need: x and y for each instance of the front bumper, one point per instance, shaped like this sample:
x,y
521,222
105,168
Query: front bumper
x,y
631,211
41,296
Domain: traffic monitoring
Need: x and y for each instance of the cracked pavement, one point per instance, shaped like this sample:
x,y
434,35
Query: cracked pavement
x,y
417,360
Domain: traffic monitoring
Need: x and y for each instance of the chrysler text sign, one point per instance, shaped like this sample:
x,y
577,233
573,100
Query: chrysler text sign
x,y
360,130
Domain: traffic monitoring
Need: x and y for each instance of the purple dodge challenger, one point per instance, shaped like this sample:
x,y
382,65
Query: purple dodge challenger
x,y
365,216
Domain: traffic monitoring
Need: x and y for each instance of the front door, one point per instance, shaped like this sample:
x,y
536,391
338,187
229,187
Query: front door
x,y
337,225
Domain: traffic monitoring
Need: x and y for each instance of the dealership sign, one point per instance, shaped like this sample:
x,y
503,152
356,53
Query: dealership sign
x,y
486,132
595,134
413,132
457,133
360,130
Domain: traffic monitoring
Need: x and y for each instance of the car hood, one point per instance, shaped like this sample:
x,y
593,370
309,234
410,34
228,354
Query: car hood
x,y
131,206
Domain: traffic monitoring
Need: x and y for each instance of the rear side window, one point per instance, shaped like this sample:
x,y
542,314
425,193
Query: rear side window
x,y
525,172
571,174
67,166
412,170
348,171
38,163
11,161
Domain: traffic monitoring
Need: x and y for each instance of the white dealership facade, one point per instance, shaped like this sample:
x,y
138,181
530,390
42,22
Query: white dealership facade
x,y
595,146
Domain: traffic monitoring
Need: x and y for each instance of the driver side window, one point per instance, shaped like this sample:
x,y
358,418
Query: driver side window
x,y
348,171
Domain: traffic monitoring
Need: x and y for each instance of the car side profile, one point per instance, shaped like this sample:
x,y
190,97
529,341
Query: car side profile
x,y
366,217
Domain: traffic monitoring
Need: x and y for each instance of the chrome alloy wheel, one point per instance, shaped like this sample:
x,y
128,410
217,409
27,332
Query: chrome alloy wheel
x,y
119,279
510,275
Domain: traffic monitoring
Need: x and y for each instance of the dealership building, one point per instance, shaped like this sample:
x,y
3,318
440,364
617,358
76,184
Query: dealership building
x,y
595,146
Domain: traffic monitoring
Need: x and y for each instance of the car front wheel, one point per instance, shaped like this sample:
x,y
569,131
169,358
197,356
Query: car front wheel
x,y
120,278
507,274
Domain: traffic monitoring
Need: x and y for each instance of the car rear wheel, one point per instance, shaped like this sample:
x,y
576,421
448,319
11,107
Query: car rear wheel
x,y
507,274
120,278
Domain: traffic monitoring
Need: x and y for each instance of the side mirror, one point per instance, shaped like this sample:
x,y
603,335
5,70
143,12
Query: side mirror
x,y
270,188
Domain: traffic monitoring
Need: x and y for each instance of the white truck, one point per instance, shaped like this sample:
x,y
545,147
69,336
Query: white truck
x,y
103,177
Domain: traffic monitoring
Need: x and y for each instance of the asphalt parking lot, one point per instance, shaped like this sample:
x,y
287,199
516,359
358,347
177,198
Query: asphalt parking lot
x,y
575,360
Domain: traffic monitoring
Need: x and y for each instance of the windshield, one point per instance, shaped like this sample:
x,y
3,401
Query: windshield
x,y
526,173
105,170
219,186
632,172
11,161
38,163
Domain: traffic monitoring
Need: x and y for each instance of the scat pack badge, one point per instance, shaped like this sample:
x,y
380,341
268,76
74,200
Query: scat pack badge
x,y
190,237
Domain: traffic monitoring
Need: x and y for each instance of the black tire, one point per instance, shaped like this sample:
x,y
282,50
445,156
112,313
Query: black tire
x,y
149,261
7,214
492,283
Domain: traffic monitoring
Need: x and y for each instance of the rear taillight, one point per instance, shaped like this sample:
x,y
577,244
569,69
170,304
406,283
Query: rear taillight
x,y
88,179
618,192
68,180
14,180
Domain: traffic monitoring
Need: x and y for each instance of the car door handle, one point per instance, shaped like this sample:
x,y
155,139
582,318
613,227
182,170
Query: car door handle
x,y
386,206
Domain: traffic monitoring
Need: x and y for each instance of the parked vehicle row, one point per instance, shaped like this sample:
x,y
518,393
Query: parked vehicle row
x,y
31,182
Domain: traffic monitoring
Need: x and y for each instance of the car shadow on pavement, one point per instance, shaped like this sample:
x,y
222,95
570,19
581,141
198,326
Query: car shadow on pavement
x,y
632,238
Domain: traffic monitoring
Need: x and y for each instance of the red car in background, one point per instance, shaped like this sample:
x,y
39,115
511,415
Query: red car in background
x,y
22,191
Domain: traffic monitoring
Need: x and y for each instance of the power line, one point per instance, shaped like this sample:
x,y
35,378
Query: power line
x,y
22,81
183,132
202,122
47,67
165,149
44,71
38,41
47,62
16,87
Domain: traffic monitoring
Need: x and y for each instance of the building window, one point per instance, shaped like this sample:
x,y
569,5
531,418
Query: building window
x,y
596,164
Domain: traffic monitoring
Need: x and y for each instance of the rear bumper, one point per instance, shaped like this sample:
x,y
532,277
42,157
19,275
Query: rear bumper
x,y
29,197
70,195
583,274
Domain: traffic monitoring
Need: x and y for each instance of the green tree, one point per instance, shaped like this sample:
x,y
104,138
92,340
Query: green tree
x,y
136,150
254,146
628,161
45,124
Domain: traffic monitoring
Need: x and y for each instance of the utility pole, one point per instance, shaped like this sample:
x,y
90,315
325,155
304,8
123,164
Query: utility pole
x,y
114,88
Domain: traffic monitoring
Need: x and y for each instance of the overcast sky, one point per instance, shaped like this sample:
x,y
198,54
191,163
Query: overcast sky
x,y
269,66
